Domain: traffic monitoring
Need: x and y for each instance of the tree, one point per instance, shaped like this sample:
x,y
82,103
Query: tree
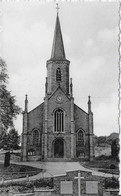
x,y
13,139
3,138
114,149
8,108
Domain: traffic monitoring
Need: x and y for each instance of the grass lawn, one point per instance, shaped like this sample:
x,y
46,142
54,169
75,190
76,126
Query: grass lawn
x,y
103,163
17,171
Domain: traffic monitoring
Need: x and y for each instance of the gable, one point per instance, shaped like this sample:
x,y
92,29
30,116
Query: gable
x,y
35,117
81,118
58,91
59,97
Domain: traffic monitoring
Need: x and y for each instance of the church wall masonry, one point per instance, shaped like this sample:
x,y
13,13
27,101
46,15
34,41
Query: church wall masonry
x,y
35,118
52,136
51,75
81,119
81,122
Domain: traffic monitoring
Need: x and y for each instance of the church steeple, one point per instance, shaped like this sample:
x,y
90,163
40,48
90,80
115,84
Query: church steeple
x,y
58,52
57,65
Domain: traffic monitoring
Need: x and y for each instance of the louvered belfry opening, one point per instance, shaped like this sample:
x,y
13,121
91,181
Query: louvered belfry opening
x,y
58,75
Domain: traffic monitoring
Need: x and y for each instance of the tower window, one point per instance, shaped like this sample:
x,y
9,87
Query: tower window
x,y
36,138
80,138
58,75
59,121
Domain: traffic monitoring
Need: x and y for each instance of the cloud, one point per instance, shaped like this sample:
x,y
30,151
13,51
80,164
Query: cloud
x,y
106,116
108,35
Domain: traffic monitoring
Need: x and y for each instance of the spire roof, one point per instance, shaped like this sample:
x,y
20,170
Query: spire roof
x,y
58,52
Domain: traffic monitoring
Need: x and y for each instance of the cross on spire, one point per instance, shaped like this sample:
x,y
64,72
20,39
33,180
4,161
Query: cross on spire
x,y
57,7
58,52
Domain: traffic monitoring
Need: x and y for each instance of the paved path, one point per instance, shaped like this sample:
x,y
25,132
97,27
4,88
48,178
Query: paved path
x,y
52,169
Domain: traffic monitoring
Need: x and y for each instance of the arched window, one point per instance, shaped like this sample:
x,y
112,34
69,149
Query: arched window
x,y
80,138
59,120
58,75
35,137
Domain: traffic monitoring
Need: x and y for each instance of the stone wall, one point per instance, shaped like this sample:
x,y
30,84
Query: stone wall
x,y
70,177
44,192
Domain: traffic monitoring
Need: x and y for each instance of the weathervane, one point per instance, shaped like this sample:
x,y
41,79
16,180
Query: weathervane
x,y
57,7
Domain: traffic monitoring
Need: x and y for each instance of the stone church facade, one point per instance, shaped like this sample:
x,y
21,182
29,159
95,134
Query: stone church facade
x,y
57,129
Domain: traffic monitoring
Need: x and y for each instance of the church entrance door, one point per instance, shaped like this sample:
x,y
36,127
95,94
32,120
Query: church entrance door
x,y
59,148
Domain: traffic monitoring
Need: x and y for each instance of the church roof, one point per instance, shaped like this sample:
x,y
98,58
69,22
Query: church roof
x,y
58,52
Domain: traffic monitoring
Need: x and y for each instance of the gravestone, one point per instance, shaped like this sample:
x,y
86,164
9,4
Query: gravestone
x,y
92,187
66,187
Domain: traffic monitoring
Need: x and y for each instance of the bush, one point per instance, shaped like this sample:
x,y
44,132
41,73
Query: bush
x,y
22,169
44,183
111,183
103,157
114,149
112,166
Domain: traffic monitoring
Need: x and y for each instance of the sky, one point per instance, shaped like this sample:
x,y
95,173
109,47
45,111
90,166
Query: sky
x,y
90,35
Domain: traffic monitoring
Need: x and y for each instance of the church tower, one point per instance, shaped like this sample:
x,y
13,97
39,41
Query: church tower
x,y
59,103
57,129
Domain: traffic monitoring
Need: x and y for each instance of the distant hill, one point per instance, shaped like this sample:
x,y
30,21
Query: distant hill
x,y
106,140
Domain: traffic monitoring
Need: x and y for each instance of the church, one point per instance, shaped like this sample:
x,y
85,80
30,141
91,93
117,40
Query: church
x,y
57,129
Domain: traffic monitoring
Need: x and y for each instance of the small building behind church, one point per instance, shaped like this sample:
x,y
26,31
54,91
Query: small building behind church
x,y
57,129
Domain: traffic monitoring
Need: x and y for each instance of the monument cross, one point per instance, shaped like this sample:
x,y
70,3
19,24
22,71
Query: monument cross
x,y
79,183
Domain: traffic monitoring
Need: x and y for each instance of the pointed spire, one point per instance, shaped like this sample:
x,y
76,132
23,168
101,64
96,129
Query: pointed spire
x,y
58,52
26,103
89,104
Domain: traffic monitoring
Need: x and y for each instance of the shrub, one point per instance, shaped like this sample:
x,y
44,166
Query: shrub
x,y
22,169
44,183
111,183
112,166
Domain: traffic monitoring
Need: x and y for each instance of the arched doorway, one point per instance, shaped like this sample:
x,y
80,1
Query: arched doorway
x,y
59,148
